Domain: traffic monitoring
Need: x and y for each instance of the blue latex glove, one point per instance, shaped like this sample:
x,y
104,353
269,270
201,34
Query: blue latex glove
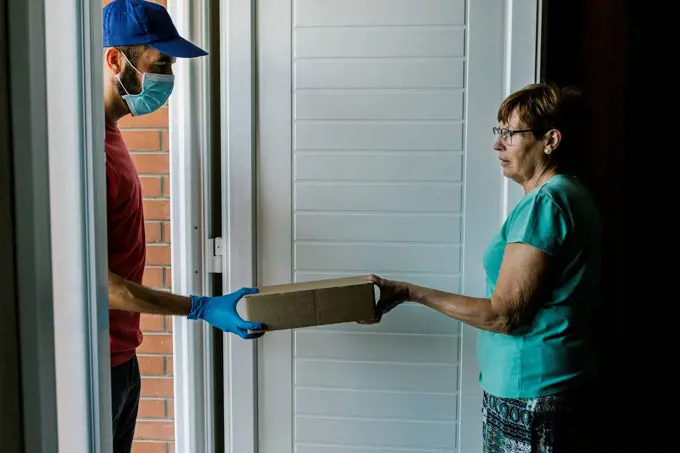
x,y
221,312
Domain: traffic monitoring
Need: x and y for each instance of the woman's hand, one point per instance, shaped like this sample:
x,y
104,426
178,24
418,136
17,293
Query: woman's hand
x,y
392,293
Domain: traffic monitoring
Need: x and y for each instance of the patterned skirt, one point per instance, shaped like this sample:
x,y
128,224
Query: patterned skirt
x,y
547,424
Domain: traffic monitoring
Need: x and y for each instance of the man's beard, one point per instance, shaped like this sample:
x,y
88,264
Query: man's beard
x,y
129,80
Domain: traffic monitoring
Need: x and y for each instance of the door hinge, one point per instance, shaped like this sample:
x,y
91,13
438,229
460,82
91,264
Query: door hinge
x,y
215,254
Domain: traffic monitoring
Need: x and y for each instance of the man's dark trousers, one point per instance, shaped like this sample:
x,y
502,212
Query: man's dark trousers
x,y
125,390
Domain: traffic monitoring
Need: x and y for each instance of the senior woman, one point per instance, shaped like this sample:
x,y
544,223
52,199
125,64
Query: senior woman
x,y
534,349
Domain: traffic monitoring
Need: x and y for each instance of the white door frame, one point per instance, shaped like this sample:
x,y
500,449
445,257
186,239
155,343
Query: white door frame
x,y
191,201
524,29
57,141
75,110
275,84
238,101
193,345
521,21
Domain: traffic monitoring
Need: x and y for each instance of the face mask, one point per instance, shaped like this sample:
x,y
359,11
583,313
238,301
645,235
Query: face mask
x,y
156,89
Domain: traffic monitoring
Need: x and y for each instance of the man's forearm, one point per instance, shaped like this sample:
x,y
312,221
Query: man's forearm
x,y
129,296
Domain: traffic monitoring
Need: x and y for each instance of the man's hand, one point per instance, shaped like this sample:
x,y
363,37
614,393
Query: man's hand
x,y
221,312
391,294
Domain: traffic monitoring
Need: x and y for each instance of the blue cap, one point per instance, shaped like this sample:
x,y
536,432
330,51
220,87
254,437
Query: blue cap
x,y
139,22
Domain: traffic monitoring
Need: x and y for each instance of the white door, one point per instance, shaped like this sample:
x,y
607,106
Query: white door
x,y
374,155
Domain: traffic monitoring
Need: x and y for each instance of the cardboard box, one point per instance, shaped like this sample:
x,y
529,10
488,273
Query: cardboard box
x,y
314,303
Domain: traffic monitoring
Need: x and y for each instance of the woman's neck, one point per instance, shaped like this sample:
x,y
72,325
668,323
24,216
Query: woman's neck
x,y
539,178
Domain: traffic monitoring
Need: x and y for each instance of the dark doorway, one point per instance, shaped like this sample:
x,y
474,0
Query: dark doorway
x,y
597,46
10,392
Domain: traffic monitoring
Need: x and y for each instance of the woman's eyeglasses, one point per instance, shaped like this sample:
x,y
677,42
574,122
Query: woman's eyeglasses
x,y
506,134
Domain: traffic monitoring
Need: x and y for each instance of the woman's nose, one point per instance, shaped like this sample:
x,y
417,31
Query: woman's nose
x,y
498,144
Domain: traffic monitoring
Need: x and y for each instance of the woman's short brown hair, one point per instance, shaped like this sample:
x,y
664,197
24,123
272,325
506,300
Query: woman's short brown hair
x,y
543,107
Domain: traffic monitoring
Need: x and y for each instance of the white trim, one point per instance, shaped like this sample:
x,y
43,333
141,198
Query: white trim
x,y
482,197
275,221
523,22
519,59
95,237
190,201
238,193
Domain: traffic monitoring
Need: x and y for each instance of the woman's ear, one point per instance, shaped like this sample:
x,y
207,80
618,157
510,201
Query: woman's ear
x,y
553,140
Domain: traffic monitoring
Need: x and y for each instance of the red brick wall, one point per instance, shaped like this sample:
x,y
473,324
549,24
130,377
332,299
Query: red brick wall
x,y
147,139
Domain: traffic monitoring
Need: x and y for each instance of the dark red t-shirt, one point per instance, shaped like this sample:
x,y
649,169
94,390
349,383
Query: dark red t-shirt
x,y
127,241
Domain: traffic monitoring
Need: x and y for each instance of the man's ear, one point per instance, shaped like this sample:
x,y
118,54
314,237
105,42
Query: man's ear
x,y
114,60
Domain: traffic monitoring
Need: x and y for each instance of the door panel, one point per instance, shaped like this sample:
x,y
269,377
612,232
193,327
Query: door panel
x,y
385,166
378,12
384,404
379,42
370,227
375,156
398,197
316,433
366,73
376,376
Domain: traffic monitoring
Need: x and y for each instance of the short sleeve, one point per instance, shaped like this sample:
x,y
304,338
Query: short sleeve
x,y
539,222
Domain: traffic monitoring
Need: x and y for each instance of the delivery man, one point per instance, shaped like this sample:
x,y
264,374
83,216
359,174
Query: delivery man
x,y
141,44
